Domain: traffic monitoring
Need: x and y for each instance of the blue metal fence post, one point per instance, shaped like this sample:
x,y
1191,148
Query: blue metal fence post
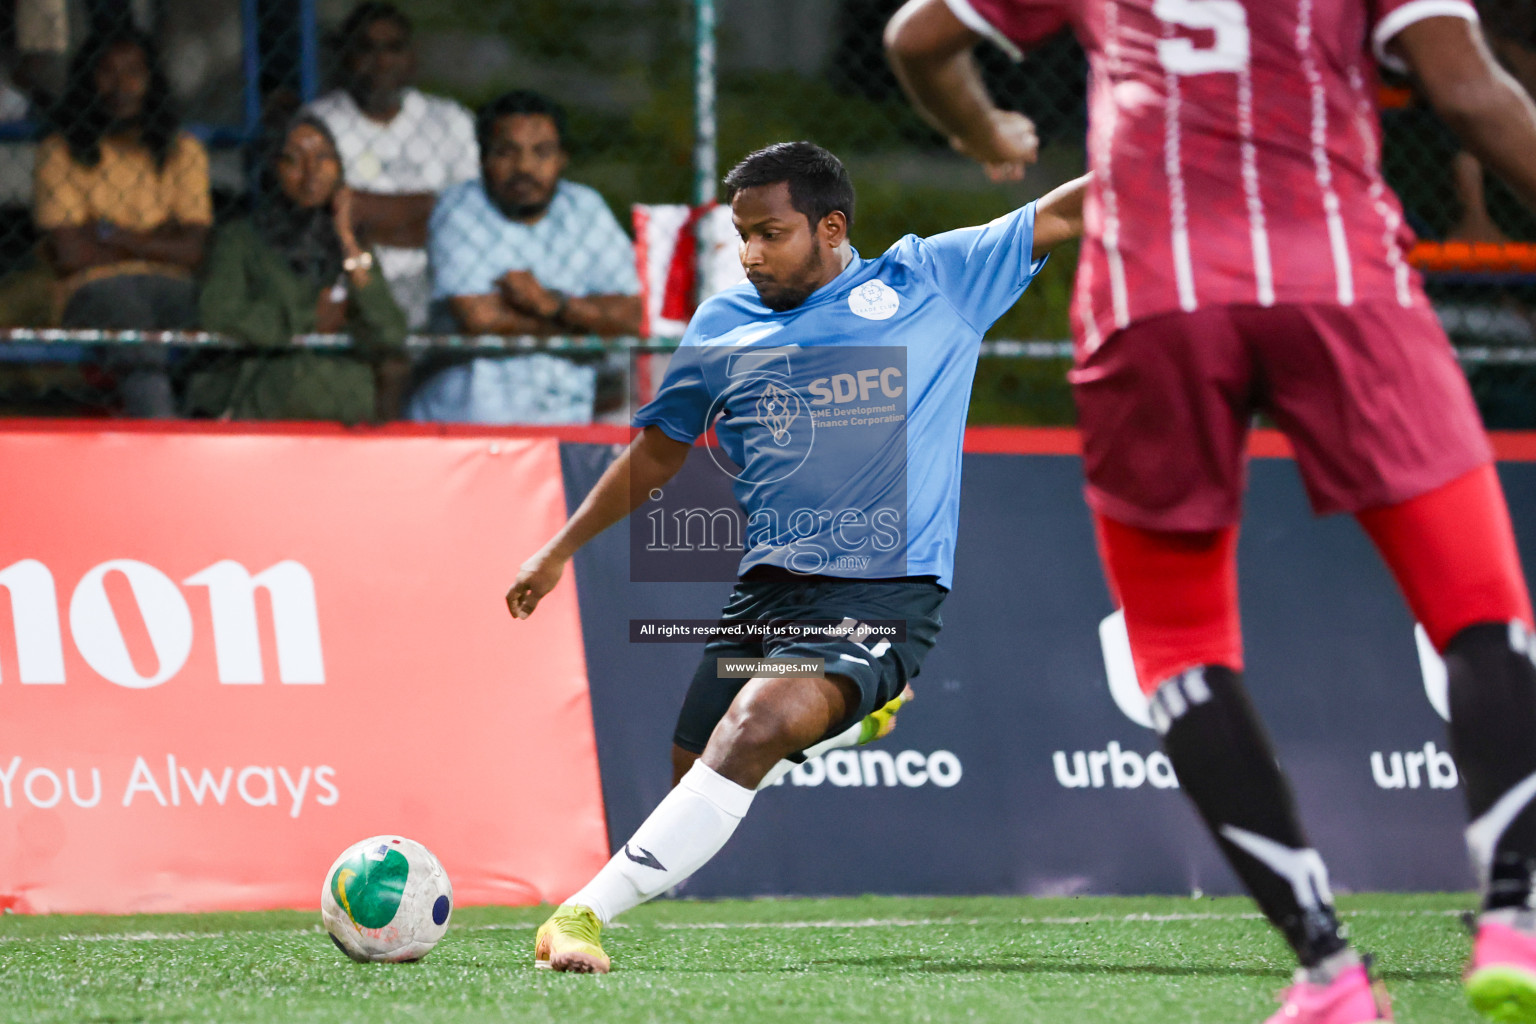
x,y
704,125
705,156
309,50
250,65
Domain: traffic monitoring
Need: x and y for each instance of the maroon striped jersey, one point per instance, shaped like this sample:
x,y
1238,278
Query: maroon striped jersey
x,y
1236,150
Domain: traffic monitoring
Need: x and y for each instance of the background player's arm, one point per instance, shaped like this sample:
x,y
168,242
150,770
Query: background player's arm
x,y
1059,215
930,51
1482,104
650,461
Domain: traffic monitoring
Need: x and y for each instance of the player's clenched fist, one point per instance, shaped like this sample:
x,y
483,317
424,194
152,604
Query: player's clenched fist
x,y
1008,146
536,578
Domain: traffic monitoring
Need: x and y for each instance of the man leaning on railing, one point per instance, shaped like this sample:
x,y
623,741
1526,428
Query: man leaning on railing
x,y
522,251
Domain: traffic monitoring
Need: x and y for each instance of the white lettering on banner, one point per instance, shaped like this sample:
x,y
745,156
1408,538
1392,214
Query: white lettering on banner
x,y
52,790
168,620
74,794
205,785
257,785
1123,769
811,773
1412,769
53,780
878,765
142,781
943,769
269,798
911,768
1120,670
1437,681
295,790
295,620
34,621
844,768
7,776
1126,769
323,776
99,636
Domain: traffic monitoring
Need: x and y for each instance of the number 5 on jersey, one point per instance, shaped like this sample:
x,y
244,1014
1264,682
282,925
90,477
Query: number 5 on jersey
x,y
1227,18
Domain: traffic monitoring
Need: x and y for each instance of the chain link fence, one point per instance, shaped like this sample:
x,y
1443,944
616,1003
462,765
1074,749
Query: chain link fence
x,y
403,181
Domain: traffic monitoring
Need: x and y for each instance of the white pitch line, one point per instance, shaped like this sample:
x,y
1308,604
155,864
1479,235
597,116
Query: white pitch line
x,y
159,936
919,922
1089,919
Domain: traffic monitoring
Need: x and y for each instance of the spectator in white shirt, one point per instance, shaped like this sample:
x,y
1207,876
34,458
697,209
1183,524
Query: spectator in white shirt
x,y
399,147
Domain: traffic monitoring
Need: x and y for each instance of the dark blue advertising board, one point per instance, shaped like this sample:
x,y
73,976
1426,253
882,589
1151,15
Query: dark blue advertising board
x,y
1026,764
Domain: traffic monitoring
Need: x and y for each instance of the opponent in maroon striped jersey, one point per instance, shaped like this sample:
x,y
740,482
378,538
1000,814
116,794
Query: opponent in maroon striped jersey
x,y
1189,97
1244,256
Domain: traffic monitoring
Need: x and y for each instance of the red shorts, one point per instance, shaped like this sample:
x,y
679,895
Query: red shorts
x,y
1370,396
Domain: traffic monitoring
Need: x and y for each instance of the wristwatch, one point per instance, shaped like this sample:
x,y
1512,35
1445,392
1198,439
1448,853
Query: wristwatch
x,y
362,261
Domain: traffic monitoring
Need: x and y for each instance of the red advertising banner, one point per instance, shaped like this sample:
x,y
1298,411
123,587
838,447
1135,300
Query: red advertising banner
x,y
226,655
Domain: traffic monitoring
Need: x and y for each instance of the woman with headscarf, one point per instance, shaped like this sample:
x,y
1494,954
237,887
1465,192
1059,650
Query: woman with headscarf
x,y
295,266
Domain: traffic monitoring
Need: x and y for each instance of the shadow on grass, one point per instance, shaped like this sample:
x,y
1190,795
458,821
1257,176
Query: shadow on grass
x,y
926,965
932,965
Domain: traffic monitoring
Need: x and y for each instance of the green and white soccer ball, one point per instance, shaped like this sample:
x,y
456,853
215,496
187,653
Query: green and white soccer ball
x,y
386,900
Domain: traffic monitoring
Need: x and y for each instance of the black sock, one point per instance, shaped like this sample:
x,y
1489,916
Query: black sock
x,y
1492,684
1226,765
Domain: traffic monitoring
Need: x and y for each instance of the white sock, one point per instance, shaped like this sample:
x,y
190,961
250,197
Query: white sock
x,y
1520,919
847,738
684,831
1330,967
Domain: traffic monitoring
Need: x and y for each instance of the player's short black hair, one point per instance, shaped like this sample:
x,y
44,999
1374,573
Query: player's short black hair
x,y
818,181
518,101
363,16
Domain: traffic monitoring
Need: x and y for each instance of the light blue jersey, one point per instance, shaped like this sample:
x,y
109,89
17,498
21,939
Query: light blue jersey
x,y
841,420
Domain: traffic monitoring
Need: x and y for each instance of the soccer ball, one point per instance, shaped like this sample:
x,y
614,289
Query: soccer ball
x,y
387,900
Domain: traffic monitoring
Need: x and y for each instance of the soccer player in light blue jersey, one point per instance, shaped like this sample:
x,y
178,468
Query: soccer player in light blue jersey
x,y
837,389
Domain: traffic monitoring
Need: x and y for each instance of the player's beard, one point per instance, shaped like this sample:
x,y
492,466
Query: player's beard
x,y
787,295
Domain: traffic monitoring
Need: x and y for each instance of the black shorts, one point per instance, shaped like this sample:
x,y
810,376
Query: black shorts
x,y
879,668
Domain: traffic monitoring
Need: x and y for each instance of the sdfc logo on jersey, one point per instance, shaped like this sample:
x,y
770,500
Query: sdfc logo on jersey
x,y
874,300
777,408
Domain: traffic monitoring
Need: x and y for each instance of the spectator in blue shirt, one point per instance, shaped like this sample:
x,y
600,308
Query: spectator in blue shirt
x,y
523,251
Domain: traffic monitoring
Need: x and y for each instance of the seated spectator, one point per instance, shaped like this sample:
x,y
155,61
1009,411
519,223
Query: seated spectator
x,y
399,147
122,195
295,267
522,251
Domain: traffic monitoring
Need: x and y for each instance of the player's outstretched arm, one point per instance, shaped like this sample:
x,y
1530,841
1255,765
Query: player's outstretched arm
x,y
650,461
1482,104
1059,215
930,51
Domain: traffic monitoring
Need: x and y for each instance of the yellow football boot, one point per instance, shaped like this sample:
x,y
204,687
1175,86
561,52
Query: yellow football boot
x,y
568,942
879,723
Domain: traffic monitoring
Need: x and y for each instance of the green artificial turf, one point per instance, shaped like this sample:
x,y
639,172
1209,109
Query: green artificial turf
x,y
1073,961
